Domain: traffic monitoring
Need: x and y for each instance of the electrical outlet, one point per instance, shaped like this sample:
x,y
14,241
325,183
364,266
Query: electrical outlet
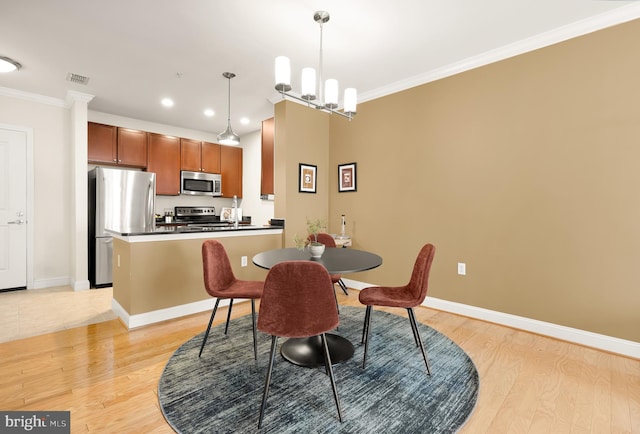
x,y
118,261
462,268
243,261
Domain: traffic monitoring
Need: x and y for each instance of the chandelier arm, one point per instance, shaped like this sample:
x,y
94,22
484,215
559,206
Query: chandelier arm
x,y
317,106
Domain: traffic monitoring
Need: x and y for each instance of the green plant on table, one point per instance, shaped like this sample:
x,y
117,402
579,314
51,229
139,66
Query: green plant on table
x,y
313,228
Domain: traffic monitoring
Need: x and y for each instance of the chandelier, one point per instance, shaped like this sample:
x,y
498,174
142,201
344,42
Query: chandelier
x,y
327,101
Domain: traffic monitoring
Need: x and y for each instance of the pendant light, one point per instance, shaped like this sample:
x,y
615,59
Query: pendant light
x,y
327,101
228,137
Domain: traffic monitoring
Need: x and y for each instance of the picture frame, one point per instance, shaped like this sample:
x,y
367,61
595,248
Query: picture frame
x,y
347,177
307,177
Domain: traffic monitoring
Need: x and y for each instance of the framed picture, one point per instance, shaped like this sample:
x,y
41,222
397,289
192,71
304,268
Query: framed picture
x,y
347,177
307,178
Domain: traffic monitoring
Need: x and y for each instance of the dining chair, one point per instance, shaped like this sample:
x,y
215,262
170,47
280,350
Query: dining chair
x,y
297,303
407,296
328,241
220,282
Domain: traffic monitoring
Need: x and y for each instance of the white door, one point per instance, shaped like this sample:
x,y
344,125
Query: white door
x,y
13,209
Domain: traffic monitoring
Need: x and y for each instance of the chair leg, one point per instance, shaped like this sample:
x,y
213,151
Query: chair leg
x,y
253,327
343,287
414,329
265,394
364,326
366,335
228,315
336,297
327,363
206,335
414,324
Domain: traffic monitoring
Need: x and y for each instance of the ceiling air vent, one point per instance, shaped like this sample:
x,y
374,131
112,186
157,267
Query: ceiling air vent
x,y
77,78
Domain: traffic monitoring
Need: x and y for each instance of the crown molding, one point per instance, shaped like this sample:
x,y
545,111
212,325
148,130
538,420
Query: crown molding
x,y
73,96
33,97
608,19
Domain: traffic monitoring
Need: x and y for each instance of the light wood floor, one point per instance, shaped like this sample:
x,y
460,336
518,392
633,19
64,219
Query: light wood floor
x,y
108,376
37,311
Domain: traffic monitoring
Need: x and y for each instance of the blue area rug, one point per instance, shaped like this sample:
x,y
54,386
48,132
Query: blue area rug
x,y
221,392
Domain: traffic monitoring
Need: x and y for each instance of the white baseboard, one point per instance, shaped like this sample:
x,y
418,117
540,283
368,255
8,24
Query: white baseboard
x,y
81,285
50,283
142,319
577,336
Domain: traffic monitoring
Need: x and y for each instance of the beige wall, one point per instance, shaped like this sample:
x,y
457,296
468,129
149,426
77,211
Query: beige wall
x,y
300,138
52,170
527,170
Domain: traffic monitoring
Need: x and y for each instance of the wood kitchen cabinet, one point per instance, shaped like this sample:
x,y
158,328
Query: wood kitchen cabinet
x,y
132,147
164,161
112,145
199,156
268,142
102,143
231,169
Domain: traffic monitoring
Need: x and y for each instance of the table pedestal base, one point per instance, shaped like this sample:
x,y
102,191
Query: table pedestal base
x,y
308,351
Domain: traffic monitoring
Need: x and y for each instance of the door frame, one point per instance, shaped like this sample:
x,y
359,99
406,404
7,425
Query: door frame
x,y
30,196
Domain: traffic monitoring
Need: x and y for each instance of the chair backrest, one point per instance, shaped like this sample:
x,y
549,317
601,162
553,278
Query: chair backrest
x,y
324,238
298,300
419,282
218,274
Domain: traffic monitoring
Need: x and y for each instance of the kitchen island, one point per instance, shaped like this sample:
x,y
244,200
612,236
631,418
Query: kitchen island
x,y
158,275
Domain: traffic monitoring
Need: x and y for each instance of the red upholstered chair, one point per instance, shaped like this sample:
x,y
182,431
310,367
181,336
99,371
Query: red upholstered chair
x,y
298,302
328,241
220,282
407,296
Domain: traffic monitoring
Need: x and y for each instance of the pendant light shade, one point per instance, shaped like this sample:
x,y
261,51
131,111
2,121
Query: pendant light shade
x,y
283,74
308,84
228,137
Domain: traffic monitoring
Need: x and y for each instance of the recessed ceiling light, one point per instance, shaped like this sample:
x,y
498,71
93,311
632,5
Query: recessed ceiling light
x,y
244,121
209,113
167,102
8,65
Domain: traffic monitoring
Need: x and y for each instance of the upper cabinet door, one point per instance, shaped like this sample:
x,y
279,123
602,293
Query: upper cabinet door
x,y
190,155
210,157
132,147
231,169
164,161
102,143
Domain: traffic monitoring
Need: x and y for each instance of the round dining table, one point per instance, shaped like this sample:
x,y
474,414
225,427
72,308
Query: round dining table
x,y
308,351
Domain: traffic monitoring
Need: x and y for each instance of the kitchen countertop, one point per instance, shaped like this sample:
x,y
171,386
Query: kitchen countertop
x,y
183,229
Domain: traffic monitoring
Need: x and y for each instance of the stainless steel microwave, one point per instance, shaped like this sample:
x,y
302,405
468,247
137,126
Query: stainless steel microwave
x,y
200,183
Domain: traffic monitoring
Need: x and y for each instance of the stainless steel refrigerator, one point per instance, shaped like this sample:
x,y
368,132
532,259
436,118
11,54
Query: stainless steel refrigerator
x,y
121,200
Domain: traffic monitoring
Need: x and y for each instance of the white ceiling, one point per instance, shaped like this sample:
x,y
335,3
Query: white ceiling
x,y
137,51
